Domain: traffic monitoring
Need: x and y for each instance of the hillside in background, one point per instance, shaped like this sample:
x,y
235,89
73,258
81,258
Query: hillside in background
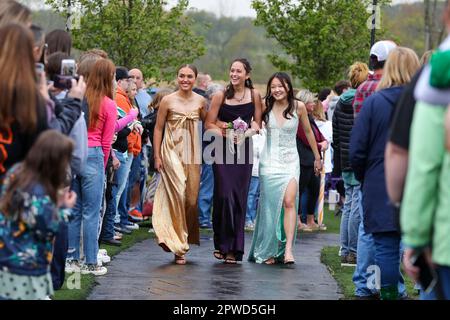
x,y
229,38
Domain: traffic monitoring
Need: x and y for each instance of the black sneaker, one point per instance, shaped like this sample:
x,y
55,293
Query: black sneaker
x,y
350,260
122,230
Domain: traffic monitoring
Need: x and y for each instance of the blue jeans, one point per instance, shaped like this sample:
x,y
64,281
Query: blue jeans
x,y
304,205
365,260
444,282
387,257
89,190
252,200
205,195
110,212
351,217
135,176
59,256
122,174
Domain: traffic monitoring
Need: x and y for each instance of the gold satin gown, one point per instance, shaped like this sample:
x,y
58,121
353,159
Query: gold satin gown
x,y
175,212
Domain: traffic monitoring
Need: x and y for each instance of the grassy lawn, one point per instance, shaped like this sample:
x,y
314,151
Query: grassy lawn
x,y
72,291
343,275
332,222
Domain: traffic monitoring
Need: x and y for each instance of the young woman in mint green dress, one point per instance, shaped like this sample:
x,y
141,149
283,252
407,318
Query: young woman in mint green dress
x,y
279,169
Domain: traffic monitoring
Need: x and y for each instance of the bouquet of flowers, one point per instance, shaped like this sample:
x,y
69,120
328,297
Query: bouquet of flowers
x,y
238,125
238,128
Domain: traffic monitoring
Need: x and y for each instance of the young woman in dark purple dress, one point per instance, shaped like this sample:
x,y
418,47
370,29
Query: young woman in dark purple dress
x,y
232,159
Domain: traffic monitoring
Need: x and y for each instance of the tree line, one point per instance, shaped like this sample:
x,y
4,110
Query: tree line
x,y
314,40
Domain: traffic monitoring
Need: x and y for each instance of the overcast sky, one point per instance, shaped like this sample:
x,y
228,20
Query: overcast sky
x,y
228,8
234,8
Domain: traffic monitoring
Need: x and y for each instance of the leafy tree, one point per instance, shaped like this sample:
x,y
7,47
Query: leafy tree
x,y
228,38
322,37
136,33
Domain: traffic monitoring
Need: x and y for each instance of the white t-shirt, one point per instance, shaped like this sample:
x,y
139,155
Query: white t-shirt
x,y
258,144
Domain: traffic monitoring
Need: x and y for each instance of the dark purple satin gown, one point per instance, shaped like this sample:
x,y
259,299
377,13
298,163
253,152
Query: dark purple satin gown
x,y
231,185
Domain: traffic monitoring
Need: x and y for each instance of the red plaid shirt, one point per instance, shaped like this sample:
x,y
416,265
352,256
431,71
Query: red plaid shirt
x,y
366,89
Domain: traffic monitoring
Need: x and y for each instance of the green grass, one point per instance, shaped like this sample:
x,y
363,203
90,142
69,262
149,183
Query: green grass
x,y
343,275
332,222
87,282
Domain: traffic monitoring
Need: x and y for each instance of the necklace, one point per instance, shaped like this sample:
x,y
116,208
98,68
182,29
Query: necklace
x,y
240,100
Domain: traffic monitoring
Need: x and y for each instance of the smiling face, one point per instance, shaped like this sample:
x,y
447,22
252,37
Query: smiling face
x,y
278,90
238,74
186,79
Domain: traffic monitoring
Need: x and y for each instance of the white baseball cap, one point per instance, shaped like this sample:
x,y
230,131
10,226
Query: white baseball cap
x,y
381,49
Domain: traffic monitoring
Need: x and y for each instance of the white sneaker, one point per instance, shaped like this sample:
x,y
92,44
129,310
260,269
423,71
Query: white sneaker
x,y
151,230
47,298
103,258
72,266
93,269
102,252
133,226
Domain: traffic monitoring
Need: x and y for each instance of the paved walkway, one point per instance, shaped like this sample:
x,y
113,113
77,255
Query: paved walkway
x,y
145,272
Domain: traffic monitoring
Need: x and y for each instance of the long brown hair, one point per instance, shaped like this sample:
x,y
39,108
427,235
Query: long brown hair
x,y
99,85
47,163
229,90
12,11
18,87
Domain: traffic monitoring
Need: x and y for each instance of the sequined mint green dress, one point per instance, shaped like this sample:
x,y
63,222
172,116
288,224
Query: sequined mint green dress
x,y
279,164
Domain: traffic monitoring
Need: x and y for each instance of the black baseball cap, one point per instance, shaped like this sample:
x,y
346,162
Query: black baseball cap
x,y
122,73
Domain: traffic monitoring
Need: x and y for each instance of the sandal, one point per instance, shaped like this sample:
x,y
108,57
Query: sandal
x,y
181,260
218,255
230,261
288,262
270,261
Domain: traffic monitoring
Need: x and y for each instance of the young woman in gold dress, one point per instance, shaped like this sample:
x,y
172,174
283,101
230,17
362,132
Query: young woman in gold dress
x,y
177,153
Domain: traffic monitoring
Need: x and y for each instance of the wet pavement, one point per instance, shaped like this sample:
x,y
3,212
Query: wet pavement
x,y
145,272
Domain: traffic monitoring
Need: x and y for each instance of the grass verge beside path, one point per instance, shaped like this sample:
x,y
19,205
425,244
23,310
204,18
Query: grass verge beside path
x,y
87,282
343,275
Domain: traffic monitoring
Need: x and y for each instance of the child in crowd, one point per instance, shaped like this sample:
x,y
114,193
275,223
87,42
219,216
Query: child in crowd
x,y
33,202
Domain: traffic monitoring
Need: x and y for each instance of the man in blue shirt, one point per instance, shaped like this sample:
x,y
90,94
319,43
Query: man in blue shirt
x,y
142,98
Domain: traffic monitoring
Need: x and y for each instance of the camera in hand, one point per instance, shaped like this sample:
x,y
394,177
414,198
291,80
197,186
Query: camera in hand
x,y
68,72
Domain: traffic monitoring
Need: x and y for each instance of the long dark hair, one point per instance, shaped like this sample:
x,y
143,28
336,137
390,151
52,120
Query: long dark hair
x,y
46,163
229,90
270,100
19,92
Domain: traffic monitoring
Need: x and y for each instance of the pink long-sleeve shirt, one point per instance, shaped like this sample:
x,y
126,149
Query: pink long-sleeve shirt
x,y
123,122
102,134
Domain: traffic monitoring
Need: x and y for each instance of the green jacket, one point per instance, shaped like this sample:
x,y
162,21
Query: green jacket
x,y
425,212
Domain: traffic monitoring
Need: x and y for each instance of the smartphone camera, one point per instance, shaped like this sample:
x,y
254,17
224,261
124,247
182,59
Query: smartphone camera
x,y
68,72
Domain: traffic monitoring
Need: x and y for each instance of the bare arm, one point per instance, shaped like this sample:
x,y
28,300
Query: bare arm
x,y
211,117
396,167
258,108
303,116
203,110
157,135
